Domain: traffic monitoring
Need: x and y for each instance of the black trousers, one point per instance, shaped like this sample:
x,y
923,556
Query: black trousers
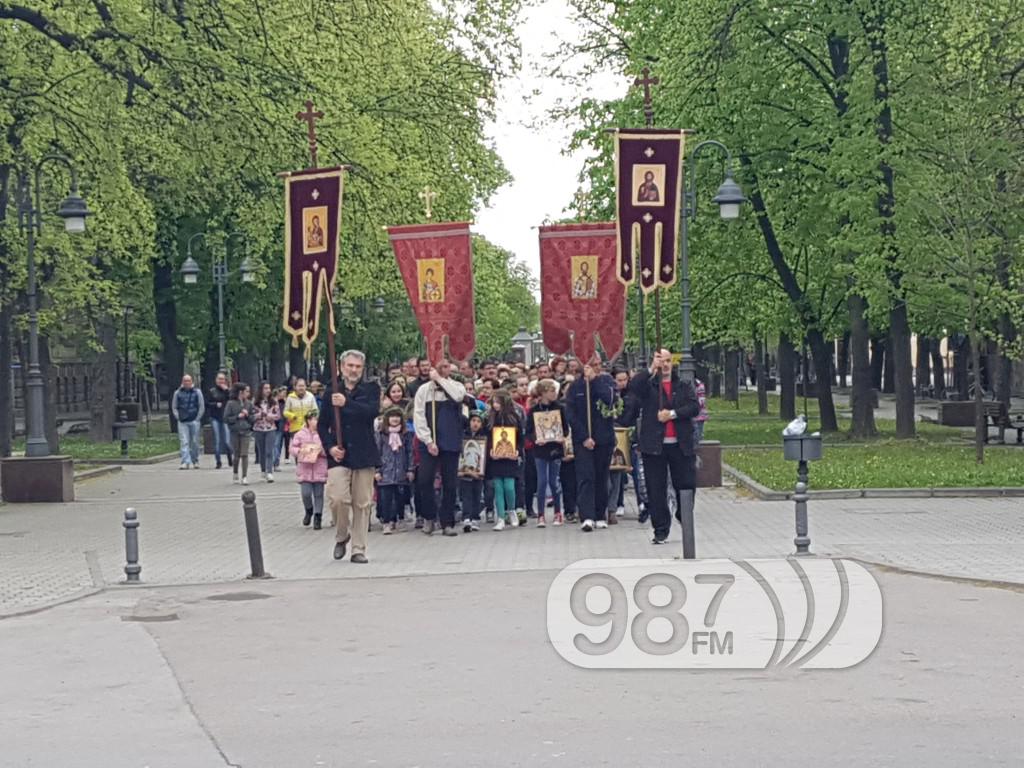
x,y
567,476
472,494
592,480
389,498
449,464
657,468
526,484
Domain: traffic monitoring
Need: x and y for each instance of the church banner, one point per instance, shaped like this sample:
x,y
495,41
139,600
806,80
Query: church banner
x,y
648,181
312,226
436,266
580,295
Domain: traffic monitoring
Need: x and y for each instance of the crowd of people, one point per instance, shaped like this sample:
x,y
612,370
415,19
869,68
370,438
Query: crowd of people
x,y
442,447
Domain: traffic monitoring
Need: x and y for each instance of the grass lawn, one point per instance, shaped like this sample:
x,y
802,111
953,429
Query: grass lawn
x,y
743,426
81,449
887,464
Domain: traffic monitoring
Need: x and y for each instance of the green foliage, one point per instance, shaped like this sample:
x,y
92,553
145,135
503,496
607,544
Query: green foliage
x,y
504,295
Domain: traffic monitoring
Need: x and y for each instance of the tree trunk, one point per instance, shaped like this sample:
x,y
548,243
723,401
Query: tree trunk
x,y
247,368
980,422
961,355
762,378
922,374
843,364
716,366
49,394
903,369
938,370
821,357
732,380
278,353
861,395
877,361
6,388
888,381
172,350
296,362
102,381
787,378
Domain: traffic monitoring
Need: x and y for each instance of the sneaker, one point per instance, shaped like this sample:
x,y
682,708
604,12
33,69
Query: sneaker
x,y
245,481
400,526
467,526
620,511
474,526
218,466
489,516
571,518
587,526
389,528
418,524
601,524
270,477
360,558
183,466
234,479
513,520
521,514
500,524
449,531
428,527
558,519
613,520
541,523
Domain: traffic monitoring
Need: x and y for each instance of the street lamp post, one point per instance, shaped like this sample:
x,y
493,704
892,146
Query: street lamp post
x,y
30,221
190,273
729,199
124,383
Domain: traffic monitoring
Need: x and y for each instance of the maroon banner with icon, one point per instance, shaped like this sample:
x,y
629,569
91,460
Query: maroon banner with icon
x,y
312,227
436,265
648,181
581,297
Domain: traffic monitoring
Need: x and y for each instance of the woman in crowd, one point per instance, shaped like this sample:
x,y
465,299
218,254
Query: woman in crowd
x,y
567,470
240,416
280,396
310,469
546,427
264,428
504,452
394,397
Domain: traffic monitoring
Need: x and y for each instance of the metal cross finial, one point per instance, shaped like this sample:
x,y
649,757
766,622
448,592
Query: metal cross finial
x,y
310,117
428,196
647,81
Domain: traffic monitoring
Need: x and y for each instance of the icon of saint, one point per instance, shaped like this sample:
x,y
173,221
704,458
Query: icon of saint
x,y
648,192
314,234
431,289
504,449
584,286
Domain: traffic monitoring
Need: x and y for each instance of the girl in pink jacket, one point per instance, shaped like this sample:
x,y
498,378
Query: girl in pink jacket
x,y
310,469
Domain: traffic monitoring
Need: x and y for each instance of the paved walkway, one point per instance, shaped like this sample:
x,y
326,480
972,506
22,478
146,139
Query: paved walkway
x,y
192,532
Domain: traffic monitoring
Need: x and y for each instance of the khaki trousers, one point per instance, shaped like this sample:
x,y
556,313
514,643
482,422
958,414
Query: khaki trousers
x,y
350,499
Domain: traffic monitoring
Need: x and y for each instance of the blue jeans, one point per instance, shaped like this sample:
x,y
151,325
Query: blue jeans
x,y
221,439
547,477
188,439
278,447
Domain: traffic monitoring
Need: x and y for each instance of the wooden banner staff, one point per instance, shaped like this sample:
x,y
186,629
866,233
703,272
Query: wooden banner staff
x,y
428,196
646,82
309,117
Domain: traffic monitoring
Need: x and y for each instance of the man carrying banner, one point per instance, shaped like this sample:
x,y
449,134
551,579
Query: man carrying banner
x,y
352,460
593,437
437,417
667,406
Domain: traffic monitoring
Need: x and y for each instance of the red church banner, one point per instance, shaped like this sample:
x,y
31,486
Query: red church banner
x,y
581,296
648,180
437,269
312,226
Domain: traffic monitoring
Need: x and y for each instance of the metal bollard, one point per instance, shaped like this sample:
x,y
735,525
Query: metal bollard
x,y
252,534
685,502
132,569
802,540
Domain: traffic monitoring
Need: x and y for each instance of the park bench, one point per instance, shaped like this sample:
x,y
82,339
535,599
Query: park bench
x,y
997,415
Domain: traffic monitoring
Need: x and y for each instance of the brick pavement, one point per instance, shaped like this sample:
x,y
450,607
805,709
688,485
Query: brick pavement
x,y
192,532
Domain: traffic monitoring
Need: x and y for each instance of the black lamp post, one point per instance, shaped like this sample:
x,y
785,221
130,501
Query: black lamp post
x,y
729,199
30,221
190,274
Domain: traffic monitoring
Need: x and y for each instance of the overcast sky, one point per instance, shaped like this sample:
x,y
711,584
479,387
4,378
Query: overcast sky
x,y
545,179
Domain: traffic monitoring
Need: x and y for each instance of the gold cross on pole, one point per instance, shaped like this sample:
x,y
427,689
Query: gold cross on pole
x,y
309,117
428,196
647,81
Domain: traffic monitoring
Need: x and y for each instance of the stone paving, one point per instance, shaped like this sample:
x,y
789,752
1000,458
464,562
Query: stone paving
x,y
192,532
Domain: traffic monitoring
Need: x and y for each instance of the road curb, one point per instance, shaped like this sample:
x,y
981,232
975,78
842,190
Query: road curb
x,y
134,462
88,474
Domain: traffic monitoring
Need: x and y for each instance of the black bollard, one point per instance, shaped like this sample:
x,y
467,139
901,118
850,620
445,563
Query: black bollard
x,y
252,534
802,540
685,502
132,569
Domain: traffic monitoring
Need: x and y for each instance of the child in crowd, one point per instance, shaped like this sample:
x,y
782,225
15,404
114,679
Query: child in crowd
x,y
546,427
280,396
239,415
395,473
504,453
567,470
310,469
264,429
471,483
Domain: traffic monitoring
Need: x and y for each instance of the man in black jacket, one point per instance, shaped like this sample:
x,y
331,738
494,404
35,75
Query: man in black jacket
x,y
667,406
593,440
352,463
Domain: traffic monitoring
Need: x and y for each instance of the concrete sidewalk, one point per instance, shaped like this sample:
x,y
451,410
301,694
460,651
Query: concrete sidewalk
x,y
192,533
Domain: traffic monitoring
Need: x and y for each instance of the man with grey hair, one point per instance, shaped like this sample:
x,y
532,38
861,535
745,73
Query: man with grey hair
x,y
352,459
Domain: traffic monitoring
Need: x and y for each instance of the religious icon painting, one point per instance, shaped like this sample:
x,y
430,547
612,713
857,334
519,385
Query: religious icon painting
x,y
570,453
503,443
547,426
584,278
620,454
314,228
473,458
430,274
648,185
